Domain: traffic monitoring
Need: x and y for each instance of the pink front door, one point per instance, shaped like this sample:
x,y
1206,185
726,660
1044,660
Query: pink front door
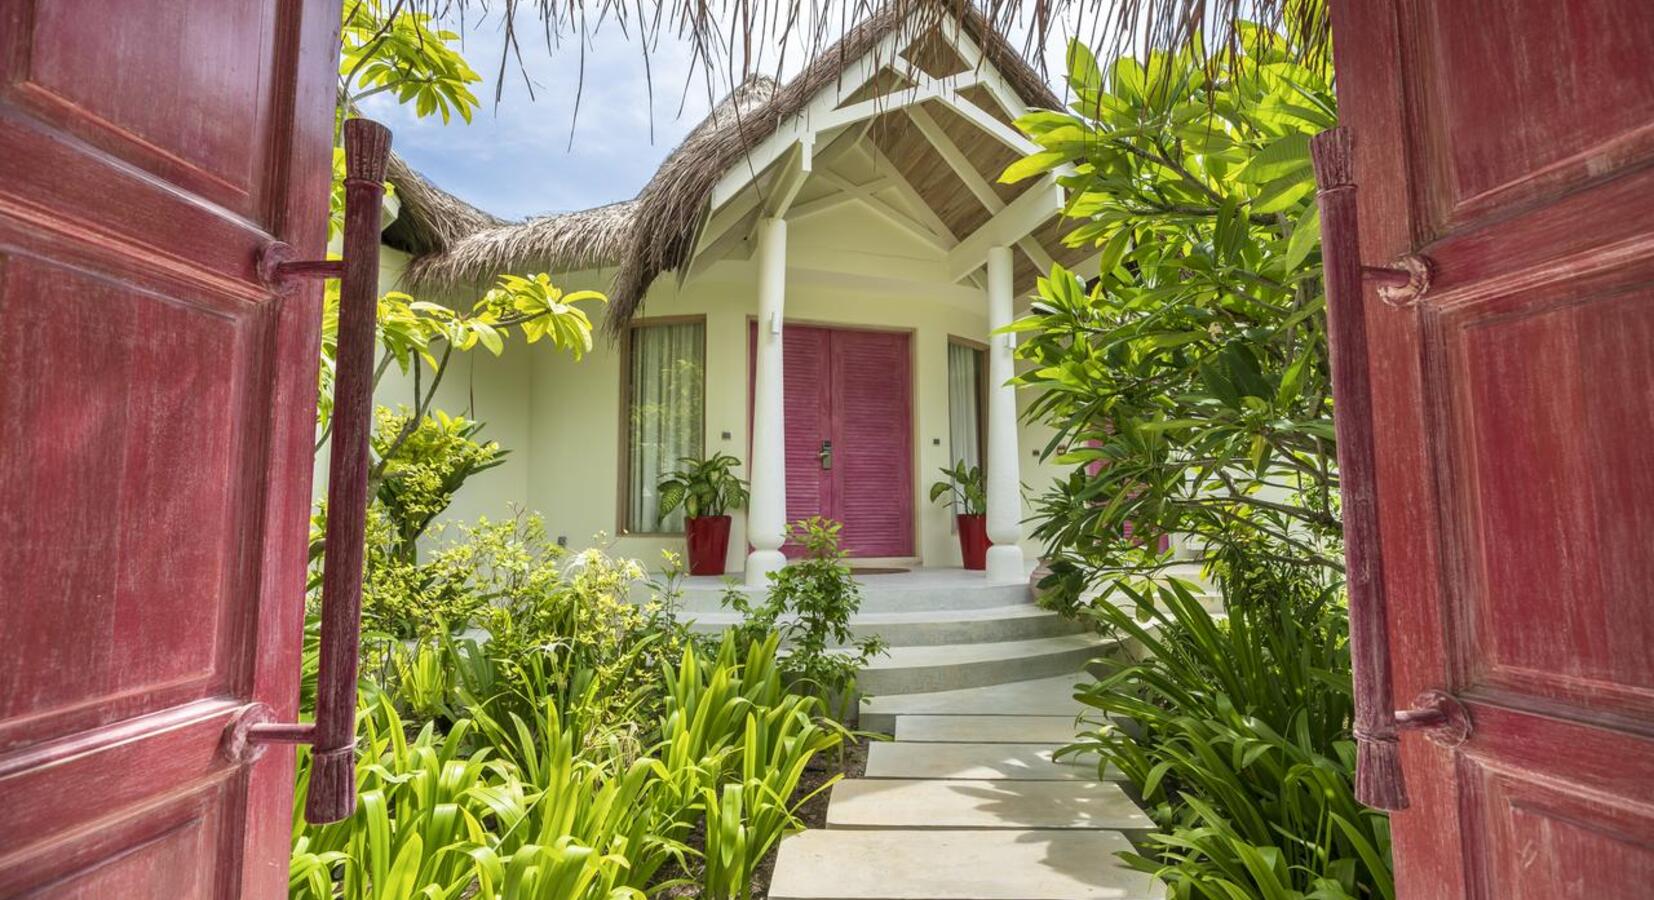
x,y
849,409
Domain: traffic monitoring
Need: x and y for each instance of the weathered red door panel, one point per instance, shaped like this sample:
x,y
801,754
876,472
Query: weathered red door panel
x,y
156,419
1513,406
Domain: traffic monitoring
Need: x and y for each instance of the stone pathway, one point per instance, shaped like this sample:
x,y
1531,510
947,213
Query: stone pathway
x,y
967,804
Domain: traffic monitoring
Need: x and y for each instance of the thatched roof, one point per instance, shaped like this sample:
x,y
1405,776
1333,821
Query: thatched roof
x,y
430,219
562,242
656,232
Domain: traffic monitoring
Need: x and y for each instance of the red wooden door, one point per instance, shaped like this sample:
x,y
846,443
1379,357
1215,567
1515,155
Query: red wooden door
x,y
156,419
849,423
1512,143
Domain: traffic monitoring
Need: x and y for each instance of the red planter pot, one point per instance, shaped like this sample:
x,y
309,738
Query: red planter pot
x,y
973,540
708,544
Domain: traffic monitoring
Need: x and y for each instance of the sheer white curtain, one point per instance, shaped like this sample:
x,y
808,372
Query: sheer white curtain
x,y
964,407
665,410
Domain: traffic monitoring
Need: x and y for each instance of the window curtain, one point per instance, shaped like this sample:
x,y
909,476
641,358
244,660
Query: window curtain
x,y
964,408
665,411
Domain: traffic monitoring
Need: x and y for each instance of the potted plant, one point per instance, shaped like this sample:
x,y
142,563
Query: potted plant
x,y
966,488
706,489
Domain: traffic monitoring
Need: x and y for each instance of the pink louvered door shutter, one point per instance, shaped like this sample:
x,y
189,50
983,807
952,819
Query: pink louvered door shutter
x,y
807,355
872,428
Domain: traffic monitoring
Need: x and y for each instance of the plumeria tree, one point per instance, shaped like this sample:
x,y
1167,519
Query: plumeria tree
x,y
391,48
1186,377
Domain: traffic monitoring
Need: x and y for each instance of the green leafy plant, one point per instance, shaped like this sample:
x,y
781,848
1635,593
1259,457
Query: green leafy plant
x,y
1185,381
810,603
424,462
554,801
1187,388
703,487
747,817
1240,741
966,486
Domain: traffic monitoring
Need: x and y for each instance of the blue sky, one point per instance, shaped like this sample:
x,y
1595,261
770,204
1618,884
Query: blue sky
x,y
515,159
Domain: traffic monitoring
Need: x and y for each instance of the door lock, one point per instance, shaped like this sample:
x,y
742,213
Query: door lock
x,y
826,455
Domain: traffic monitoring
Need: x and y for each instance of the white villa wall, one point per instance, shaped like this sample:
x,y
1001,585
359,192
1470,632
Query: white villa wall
x,y
561,418
847,268
479,386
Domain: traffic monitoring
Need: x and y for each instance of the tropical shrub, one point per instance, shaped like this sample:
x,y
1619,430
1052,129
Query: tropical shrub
x,y
423,462
498,804
1187,385
809,603
1240,739
1186,380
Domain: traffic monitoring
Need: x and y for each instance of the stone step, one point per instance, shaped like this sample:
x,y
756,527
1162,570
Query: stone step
x,y
885,803
925,627
987,729
980,762
957,865
919,589
944,667
1049,696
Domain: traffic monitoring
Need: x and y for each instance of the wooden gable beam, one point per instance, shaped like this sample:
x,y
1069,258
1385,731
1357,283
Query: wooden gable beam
x,y
973,179
856,75
911,196
956,159
1009,227
795,170
864,194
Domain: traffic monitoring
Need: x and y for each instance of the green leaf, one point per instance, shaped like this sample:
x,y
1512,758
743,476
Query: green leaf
x,y
1033,164
1306,236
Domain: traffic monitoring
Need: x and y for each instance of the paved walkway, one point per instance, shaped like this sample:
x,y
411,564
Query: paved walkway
x,y
967,804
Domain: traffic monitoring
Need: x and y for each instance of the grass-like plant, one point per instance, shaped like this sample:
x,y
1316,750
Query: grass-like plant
x,y
1240,743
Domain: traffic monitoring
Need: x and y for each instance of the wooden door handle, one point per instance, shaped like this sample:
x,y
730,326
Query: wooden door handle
x,y
1378,776
1439,716
332,736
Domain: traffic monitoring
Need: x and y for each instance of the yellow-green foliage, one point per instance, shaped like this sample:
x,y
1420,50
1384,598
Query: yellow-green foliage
x,y
552,804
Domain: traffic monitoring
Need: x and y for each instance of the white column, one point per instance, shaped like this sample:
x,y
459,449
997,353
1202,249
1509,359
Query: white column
x,y
1005,562
767,507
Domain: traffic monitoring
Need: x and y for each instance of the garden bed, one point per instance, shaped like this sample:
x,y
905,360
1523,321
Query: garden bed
x,y
851,763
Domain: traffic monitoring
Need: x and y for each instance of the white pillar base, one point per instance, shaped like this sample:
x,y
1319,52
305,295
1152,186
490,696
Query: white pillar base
x,y
760,563
1006,564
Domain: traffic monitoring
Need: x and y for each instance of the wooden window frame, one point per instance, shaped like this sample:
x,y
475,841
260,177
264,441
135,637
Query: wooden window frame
x,y
623,492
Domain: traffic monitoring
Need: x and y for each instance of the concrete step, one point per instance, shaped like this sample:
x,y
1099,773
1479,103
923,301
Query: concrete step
x,y
980,762
911,670
886,803
1049,696
957,865
987,729
918,589
926,627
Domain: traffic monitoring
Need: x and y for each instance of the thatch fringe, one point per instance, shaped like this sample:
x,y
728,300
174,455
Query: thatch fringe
x,y
430,220
655,233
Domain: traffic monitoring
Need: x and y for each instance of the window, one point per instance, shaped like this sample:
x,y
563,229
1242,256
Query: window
x,y
967,374
665,407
